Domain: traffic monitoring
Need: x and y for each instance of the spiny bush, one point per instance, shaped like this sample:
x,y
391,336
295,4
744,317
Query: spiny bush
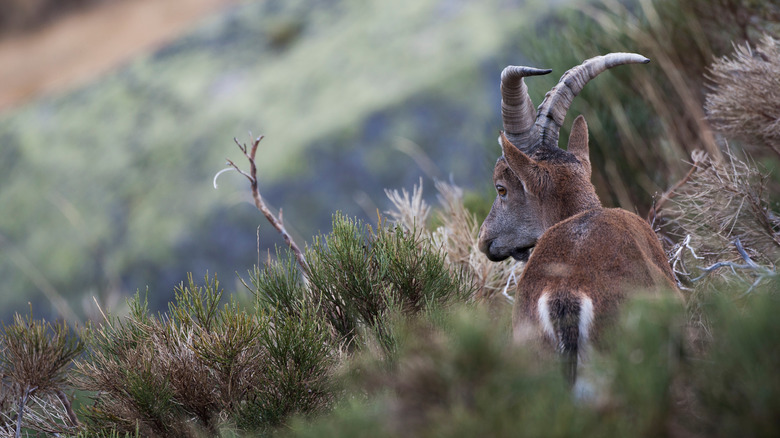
x,y
745,99
723,212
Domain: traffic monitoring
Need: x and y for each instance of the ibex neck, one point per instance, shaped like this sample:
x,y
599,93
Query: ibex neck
x,y
578,204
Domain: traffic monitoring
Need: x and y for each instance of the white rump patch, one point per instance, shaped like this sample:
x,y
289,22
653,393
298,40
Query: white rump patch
x,y
585,322
544,317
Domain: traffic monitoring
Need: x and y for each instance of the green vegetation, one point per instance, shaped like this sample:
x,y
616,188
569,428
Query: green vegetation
x,y
361,277
202,366
219,370
455,376
210,365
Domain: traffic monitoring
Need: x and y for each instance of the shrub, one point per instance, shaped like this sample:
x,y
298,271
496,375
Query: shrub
x,y
34,359
202,367
360,276
723,211
210,366
735,382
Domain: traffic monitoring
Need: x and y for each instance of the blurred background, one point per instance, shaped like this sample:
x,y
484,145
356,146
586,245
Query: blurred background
x,y
115,116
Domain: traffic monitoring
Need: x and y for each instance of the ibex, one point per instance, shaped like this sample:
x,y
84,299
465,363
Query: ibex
x,y
586,259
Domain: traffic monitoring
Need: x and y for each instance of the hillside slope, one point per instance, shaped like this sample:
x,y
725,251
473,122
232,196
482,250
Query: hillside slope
x,y
110,185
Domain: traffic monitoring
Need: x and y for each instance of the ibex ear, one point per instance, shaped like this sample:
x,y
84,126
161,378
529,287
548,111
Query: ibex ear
x,y
578,141
522,165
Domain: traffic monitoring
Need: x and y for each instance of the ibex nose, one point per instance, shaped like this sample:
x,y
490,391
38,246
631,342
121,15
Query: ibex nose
x,y
484,244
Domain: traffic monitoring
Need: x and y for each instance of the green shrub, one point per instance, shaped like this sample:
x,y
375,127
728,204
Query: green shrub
x,y
454,230
279,287
297,373
456,374
360,276
202,367
736,381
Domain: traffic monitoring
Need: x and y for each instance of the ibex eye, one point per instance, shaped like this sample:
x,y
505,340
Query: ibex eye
x,y
501,190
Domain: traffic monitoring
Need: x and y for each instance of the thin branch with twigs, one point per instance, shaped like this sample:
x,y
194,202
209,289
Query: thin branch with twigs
x,y
762,272
276,222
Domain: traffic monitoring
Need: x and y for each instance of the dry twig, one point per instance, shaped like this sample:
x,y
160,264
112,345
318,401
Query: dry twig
x,y
761,272
276,222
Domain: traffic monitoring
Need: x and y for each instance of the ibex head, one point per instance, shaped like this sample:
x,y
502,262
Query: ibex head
x,y
538,184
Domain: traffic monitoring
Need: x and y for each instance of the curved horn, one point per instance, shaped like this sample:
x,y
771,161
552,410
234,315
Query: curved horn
x,y
553,109
517,110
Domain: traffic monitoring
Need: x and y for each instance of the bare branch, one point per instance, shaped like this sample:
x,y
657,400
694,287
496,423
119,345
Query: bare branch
x,y
74,420
20,415
762,272
234,166
276,222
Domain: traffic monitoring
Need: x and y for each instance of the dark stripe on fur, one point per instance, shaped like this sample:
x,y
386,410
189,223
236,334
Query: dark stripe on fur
x,y
565,316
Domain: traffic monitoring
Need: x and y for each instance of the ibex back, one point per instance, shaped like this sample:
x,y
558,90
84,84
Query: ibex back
x,y
586,259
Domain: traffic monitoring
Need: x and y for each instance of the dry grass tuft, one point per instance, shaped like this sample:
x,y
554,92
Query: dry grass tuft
x,y
457,236
411,212
745,102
